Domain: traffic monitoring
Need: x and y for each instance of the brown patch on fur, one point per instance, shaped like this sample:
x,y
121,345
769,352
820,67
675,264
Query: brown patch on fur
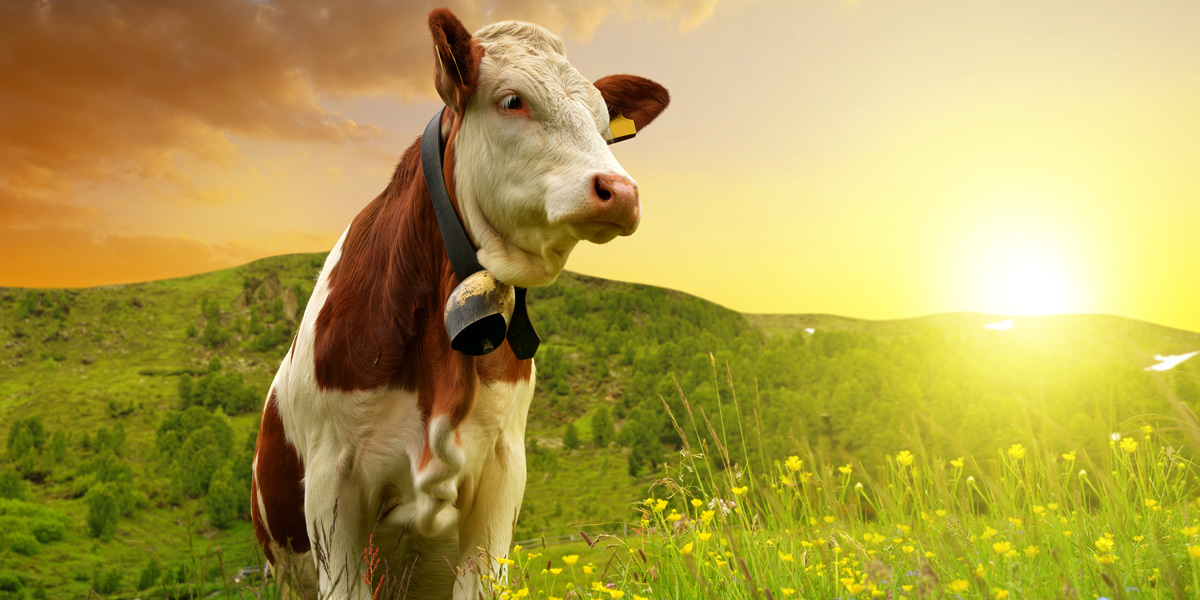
x,y
292,354
503,365
279,480
637,98
382,322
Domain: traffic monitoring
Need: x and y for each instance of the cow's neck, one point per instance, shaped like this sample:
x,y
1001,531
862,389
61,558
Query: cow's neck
x,y
381,324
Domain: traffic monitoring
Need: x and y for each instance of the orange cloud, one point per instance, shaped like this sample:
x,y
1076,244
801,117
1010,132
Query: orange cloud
x,y
116,89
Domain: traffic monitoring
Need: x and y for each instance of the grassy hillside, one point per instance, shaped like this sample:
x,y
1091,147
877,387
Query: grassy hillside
x,y
109,395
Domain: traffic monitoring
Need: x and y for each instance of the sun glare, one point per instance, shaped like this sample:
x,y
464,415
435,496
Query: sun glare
x,y
1026,280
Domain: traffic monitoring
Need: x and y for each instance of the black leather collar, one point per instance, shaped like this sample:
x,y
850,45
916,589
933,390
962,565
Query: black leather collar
x,y
521,336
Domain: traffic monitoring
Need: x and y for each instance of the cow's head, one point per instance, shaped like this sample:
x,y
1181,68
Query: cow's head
x,y
527,145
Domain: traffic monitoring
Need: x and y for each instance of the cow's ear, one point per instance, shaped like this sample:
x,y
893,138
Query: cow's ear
x,y
456,58
635,98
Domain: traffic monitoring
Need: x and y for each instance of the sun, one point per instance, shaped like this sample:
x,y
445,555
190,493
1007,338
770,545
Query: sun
x,y
1029,279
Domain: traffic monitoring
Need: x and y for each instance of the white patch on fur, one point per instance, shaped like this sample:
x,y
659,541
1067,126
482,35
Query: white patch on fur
x,y
519,179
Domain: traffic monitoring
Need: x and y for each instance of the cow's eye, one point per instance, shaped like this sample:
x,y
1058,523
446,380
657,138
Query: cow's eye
x,y
511,102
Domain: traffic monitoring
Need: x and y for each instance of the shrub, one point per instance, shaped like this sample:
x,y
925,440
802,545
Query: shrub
x,y
9,582
47,530
150,575
107,582
22,542
570,437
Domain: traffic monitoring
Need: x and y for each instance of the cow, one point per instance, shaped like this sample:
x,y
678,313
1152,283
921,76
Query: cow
x,y
384,456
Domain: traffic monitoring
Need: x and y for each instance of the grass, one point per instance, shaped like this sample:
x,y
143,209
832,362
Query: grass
x,y
127,344
1026,521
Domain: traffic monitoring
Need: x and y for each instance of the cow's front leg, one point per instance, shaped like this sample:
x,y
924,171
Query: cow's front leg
x,y
335,507
488,525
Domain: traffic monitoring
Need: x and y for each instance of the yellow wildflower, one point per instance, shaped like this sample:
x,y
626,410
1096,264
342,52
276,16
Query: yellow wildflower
x,y
1151,503
1138,538
1052,506
1069,457
787,591
1000,593
1129,445
706,516
674,516
704,535
697,503
588,569
958,586
989,532
521,593
1001,547
786,557
616,594
907,549
1194,551
1011,554
570,559
738,491
1015,521
979,572
556,570
852,585
1190,531
1031,551
637,597
686,549
957,463
1104,544
794,463
1016,451
905,458
829,519
1106,559
1039,509
940,512
660,505
846,470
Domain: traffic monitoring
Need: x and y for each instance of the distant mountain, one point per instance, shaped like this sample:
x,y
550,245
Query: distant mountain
x,y
103,388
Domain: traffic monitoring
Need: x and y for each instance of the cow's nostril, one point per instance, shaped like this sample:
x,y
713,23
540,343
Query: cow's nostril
x,y
601,191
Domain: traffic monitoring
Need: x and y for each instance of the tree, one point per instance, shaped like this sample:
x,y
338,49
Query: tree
x,y
222,502
640,433
570,437
602,427
104,508
197,460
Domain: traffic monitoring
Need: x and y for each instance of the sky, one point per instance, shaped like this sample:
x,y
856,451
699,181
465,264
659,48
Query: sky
x,y
873,159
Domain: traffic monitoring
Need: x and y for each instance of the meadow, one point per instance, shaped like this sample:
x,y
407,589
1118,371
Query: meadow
x,y
688,451
1025,521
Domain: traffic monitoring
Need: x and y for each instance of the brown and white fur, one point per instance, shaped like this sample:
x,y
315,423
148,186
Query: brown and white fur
x,y
374,431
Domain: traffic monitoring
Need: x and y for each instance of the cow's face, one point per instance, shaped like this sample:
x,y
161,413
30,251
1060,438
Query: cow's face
x,y
532,170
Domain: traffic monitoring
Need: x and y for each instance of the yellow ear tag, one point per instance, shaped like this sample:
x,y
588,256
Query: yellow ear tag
x,y
621,128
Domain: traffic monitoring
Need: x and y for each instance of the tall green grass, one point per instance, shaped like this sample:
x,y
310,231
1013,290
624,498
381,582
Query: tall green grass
x,y
1025,521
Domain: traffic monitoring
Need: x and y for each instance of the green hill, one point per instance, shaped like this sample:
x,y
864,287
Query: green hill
x,y
128,412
